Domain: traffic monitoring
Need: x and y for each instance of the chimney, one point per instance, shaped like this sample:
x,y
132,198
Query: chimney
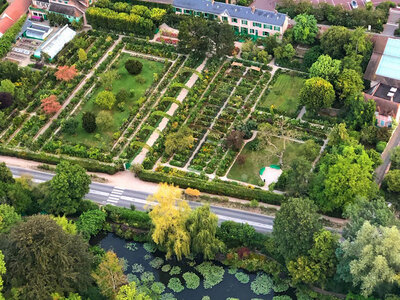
x,y
253,9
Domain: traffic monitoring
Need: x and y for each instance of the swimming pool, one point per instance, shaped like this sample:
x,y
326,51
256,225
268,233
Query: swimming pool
x,y
389,66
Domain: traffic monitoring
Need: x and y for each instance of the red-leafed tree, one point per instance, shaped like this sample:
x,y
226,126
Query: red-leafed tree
x,y
66,73
50,105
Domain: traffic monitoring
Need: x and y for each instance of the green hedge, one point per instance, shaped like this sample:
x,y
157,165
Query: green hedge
x,y
90,165
8,38
133,218
214,187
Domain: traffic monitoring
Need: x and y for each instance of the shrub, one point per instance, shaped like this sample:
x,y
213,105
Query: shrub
x,y
70,126
262,284
192,192
122,96
104,120
192,280
91,222
133,66
380,147
137,268
237,234
137,219
6,100
242,277
89,122
175,285
106,99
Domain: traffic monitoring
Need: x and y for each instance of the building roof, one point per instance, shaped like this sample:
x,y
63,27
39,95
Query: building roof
x,y
65,9
384,107
54,44
234,11
13,13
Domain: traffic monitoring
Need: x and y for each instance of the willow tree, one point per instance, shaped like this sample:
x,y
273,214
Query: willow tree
x,y
169,216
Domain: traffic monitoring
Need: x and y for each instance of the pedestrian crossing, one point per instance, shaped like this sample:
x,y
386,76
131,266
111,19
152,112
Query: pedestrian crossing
x,y
115,195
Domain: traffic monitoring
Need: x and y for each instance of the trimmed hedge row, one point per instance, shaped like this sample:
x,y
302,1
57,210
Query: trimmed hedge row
x,y
90,165
9,36
214,187
133,218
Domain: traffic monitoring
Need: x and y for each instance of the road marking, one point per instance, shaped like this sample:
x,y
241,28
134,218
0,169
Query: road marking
x,y
119,192
254,224
95,192
112,200
131,199
38,180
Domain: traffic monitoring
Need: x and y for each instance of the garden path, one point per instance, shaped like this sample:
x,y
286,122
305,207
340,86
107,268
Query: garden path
x,y
134,119
66,102
148,114
182,95
214,121
301,113
158,58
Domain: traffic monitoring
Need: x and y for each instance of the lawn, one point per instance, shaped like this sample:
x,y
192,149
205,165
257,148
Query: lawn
x,y
284,94
255,160
104,138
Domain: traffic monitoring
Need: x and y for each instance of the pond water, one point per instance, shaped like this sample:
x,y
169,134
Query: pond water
x,y
145,261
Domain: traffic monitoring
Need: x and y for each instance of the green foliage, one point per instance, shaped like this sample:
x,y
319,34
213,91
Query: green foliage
x,y
393,181
8,218
158,287
104,120
262,285
66,189
192,280
91,223
133,66
334,40
326,68
133,218
65,261
349,83
166,268
317,93
131,246
179,141
106,100
156,263
67,225
380,146
375,211
212,274
343,177
242,277
202,226
7,86
280,287
311,56
285,52
306,29
395,157
147,277
5,174
294,227
237,234
89,122
175,285
70,126
200,36
282,297
150,247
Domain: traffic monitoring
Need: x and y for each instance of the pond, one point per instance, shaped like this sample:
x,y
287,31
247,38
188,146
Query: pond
x,y
144,262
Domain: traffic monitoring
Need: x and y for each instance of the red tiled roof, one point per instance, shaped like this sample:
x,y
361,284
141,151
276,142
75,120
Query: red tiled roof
x,y
384,107
12,14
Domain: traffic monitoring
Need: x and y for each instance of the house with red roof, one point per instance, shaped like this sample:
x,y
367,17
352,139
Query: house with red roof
x,y
12,14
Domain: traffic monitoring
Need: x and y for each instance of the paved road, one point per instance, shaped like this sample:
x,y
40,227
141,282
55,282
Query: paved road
x,y
107,194
383,168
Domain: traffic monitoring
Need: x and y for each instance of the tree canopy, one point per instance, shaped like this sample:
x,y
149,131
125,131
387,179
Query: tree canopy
x,y
179,141
326,68
305,29
317,93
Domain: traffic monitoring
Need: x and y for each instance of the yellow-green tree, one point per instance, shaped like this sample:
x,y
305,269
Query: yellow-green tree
x,y
67,225
109,275
129,292
82,55
169,217
2,272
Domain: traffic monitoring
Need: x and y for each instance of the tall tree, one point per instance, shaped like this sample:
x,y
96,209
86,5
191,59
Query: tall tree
x,y
294,227
342,178
202,226
326,68
106,99
349,83
393,181
41,258
2,272
109,275
91,222
67,189
375,211
50,105
334,40
169,216
306,29
374,259
317,93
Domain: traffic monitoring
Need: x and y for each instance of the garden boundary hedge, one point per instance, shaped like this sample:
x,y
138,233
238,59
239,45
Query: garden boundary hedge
x,y
90,165
214,187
